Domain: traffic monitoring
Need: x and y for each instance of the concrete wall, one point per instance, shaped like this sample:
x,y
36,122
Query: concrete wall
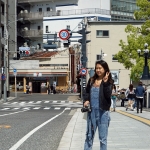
x,y
24,64
110,46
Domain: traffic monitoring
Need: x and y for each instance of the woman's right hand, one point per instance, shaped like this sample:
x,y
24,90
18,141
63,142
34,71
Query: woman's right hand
x,y
86,103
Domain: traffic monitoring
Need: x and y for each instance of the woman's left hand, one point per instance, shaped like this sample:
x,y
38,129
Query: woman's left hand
x,y
105,79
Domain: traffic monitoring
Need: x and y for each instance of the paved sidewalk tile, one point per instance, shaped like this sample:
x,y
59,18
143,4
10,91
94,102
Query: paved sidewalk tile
x,y
125,133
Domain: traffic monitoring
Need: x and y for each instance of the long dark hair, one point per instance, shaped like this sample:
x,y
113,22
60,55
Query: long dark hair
x,y
106,68
131,87
114,86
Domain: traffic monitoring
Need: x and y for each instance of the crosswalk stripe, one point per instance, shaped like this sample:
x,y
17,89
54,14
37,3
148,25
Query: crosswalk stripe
x,y
14,103
26,108
79,102
36,108
67,108
16,108
22,102
31,102
54,101
46,108
6,103
38,102
57,108
62,101
5,108
46,102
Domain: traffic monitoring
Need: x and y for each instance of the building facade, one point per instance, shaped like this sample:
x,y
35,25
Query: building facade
x,y
106,36
123,10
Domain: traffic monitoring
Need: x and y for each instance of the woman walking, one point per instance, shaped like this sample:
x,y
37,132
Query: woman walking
x,y
113,98
98,96
130,94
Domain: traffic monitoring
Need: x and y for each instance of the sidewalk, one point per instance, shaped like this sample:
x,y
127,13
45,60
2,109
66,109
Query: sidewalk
x,y
125,133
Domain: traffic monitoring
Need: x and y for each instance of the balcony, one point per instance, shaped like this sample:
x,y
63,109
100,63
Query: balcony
x,y
34,1
2,19
32,33
40,15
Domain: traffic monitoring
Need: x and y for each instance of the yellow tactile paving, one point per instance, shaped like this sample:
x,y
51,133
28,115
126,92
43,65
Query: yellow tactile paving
x,y
146,121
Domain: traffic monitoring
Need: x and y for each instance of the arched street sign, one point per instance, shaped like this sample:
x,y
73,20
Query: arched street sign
x,y
64,34
83,71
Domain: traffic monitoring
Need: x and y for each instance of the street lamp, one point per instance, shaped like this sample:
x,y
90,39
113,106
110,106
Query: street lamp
x,y
145,76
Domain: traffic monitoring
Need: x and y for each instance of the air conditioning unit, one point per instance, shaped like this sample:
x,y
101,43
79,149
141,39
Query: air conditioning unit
x,y
25,28
25,11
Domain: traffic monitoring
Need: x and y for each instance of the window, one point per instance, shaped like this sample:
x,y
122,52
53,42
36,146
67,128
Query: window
x,y
39,27
40,9
48,8
113,58
102,33
39,45
46,29
98,57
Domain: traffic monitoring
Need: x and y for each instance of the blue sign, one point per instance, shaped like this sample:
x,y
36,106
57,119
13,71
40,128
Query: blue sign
x,y
15,70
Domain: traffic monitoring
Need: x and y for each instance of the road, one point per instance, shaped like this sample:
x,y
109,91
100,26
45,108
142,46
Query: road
x,y
35,122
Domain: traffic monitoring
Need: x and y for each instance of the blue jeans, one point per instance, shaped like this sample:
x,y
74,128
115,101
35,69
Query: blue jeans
x,y
97,118
113,103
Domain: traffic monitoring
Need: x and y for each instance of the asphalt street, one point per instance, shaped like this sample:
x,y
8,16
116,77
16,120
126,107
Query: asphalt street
x,y
35,122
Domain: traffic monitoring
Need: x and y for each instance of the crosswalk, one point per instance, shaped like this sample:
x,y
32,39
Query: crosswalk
x,y
43,101
40,105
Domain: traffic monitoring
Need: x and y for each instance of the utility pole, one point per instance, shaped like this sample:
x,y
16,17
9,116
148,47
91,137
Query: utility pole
x,y
5,52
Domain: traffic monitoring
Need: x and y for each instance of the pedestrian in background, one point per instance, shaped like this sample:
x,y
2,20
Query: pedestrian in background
x,y
98,96
130,95
113,98
139,96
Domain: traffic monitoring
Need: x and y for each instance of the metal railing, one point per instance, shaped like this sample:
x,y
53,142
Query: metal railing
x,y
32,33
40,15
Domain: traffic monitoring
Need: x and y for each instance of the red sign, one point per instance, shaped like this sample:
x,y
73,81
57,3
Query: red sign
x,y
83,71
64,34
27,52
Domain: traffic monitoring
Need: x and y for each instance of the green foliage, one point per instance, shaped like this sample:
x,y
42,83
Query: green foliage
x,y
144,10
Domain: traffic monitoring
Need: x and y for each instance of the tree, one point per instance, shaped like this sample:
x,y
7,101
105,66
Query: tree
x,y
136,38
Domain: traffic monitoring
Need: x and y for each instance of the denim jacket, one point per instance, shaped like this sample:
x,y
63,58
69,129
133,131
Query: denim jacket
x,y
139,91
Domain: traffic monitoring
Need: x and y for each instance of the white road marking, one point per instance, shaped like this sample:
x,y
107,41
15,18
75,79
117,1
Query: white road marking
x,y
16,108
6,103
79,102
36,108
67,108
46,108
22,140
46,102
57,108
54,101
38,102
31,102
12,113
62,101
5,108
14,103
22,103
26,108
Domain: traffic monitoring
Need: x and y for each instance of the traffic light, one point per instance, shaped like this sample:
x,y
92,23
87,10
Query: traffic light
x,y
50,45
68,42
83,41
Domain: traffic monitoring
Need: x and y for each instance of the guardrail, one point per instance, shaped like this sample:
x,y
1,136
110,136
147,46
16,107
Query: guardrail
x,y
40,15
32,33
